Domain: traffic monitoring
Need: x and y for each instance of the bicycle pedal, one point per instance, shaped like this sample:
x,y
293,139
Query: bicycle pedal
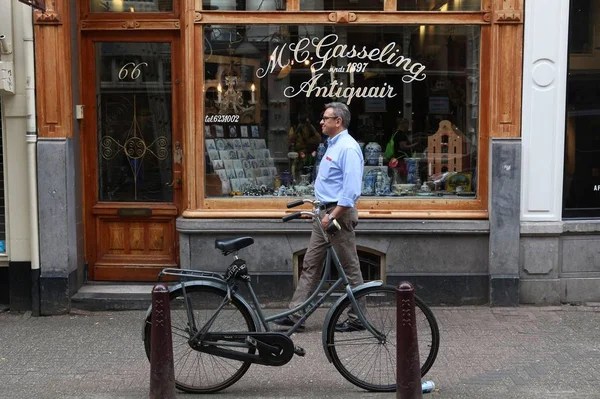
x,y
299,351
251,342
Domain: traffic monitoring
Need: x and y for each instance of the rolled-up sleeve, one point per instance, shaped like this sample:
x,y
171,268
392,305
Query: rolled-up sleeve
x,y
352,165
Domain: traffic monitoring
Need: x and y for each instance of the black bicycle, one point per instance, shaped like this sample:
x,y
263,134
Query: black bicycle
x,y
217,335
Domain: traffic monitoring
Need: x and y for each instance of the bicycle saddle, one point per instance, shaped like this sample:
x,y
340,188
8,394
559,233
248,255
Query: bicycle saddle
x,y
233,244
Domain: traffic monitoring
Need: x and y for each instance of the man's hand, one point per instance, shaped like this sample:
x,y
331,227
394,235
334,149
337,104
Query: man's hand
x,y
325,221
335,213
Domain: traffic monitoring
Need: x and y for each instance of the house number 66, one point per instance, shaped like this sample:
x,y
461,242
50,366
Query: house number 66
x,y
135,72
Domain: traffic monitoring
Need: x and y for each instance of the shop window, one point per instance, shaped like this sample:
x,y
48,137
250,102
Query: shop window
x,y
130,6
244,5
351,5
581,29
266,86
439,5
2,203
371,266
581,192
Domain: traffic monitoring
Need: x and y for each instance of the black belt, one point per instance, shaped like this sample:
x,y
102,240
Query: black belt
x,y
327,205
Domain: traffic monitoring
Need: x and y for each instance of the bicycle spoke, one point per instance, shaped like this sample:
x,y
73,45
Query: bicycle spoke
x,y
199,372
370,337
367,361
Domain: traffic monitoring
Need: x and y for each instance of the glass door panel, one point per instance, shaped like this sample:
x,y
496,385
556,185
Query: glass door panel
x,y
133,98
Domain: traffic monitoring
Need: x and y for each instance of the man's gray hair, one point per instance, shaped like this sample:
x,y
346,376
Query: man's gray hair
x,y
340,110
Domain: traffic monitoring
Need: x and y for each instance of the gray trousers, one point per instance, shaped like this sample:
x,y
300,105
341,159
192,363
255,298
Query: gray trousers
x,y
344,243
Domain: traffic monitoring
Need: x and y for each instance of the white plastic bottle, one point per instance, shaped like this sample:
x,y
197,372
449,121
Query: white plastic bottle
x,y
379,184
427,386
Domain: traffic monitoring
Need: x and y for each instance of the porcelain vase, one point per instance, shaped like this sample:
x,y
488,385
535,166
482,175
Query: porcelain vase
x,y
372,152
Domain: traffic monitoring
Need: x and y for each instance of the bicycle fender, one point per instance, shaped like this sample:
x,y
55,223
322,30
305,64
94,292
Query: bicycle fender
x,y
210,283
332,309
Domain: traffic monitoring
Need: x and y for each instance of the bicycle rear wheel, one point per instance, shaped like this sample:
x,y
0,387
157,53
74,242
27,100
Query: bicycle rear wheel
x,y
361,358
198,372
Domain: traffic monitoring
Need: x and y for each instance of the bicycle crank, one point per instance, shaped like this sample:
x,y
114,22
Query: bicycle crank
x,y
274,349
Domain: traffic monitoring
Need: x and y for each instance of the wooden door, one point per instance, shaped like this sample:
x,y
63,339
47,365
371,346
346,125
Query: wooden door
x,y
132,154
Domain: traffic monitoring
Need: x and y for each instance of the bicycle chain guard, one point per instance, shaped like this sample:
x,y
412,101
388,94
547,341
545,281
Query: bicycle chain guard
x,y
274,349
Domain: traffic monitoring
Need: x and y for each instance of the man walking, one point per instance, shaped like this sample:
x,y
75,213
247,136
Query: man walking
x,y
337,187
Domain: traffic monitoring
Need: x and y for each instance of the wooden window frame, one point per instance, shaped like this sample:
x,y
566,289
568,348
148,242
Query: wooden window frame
x,y
373,208
189,18
91,20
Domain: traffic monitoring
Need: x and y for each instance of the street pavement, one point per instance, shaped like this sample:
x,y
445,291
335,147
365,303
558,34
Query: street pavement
x,y
496,353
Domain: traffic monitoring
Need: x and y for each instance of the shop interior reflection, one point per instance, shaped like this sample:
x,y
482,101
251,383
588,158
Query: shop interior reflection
x,y
265,88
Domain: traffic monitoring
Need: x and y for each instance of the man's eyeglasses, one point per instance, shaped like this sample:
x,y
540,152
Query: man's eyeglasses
x,y
329,117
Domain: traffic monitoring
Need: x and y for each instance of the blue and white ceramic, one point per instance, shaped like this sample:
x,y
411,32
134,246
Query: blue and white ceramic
x,y
321,152
369,184
412,170
372,152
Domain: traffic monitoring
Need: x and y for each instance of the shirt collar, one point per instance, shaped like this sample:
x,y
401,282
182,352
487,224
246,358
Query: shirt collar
x,y
331,141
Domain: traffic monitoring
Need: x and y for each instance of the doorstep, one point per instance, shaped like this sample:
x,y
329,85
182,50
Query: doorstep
x,y
108,296
101,296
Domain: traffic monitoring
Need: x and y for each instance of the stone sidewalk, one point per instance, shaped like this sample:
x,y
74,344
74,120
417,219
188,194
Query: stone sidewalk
x,y
496,353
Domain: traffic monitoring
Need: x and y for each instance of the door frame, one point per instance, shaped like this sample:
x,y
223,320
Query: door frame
x,y
92,207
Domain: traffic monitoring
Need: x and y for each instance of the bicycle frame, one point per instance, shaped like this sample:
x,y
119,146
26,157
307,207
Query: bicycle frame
x,y
306,305
243,333
309,310
331,254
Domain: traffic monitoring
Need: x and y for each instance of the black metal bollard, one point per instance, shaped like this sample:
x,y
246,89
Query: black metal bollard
x,y
408,372
162,371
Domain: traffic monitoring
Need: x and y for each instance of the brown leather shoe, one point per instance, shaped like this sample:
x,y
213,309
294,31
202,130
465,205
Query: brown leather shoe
x,y
288,321
349,326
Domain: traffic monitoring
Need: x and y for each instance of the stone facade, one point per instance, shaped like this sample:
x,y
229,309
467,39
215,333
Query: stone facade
x,y
558,258
447,260
559,262
525,253
60,223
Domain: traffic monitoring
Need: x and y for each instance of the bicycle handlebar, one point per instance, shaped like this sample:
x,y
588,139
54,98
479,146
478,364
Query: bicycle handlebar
x,y
297,215
295,203
287,218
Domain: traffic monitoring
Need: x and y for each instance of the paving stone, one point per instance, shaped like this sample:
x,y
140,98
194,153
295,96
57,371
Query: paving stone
x,y
485,353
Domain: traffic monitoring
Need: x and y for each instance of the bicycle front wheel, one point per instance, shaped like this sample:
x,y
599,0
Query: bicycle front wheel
x,y
368,362
198,372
